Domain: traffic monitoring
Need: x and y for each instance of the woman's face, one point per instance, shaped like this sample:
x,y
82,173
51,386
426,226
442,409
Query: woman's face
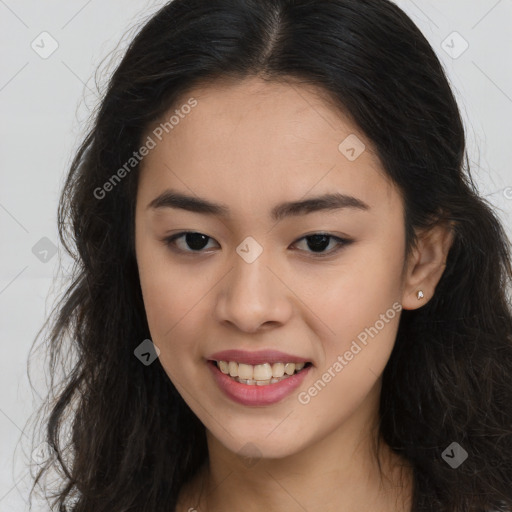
x,y
254,283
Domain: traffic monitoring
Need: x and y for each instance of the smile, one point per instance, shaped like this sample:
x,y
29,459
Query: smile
x,y
262,388
260,374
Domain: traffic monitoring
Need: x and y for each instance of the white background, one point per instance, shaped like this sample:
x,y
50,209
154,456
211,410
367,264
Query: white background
x,y
44,106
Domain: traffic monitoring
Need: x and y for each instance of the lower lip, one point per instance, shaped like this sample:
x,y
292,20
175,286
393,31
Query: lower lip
x,y
247,394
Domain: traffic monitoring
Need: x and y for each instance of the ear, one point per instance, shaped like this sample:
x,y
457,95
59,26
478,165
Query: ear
x,y
426,265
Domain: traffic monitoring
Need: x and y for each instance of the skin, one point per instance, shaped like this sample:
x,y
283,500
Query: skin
x,y
251,145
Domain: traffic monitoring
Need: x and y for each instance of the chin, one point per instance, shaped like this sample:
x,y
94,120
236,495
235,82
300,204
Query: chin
x,y
261,443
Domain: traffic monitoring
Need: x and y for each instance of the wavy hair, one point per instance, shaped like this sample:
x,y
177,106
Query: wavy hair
x,y
133,440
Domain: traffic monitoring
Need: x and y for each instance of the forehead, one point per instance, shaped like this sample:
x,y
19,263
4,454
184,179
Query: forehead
x,y
255,141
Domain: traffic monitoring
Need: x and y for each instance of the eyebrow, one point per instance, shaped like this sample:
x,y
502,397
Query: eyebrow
x,y
334,201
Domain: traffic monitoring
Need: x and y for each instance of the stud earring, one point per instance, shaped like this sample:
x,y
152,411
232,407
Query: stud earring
x,y
419,294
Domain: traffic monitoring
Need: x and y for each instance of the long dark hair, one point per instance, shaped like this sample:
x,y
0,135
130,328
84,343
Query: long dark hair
x,y
133,440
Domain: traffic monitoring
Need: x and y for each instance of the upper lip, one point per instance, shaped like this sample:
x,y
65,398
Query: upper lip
x,y
257,357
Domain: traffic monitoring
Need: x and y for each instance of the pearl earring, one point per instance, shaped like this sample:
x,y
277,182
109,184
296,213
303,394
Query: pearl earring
x,y
419,294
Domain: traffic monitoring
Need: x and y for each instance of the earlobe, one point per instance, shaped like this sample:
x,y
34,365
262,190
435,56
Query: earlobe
x,y
426,265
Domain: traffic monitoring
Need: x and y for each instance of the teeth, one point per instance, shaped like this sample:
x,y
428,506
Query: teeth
x,y
289,368
260,374
277,370
247,381
233,369
245,371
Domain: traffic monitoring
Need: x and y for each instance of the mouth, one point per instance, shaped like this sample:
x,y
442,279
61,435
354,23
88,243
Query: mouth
x,y
265,374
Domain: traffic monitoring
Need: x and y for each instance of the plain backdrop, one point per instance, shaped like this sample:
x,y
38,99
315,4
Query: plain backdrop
x,y
50,52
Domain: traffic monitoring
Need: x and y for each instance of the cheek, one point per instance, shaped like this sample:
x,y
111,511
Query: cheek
x,y
361,286
174,301
158,287
168,291
365,321
362,305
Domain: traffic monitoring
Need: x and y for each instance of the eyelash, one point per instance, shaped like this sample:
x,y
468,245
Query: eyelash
x,y
342,242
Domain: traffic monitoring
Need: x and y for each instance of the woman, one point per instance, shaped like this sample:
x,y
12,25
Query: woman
x,y
288,293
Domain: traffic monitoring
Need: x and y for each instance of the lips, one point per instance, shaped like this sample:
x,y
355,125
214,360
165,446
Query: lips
x,y
249,395
245,392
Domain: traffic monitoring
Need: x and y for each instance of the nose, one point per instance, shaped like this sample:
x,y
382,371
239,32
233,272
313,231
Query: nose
x,y
253,296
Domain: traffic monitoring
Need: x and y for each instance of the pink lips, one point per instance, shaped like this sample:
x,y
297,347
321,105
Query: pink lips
x,y
254,395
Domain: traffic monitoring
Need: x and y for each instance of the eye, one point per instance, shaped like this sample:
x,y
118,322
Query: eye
x,y
318,242
195,241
